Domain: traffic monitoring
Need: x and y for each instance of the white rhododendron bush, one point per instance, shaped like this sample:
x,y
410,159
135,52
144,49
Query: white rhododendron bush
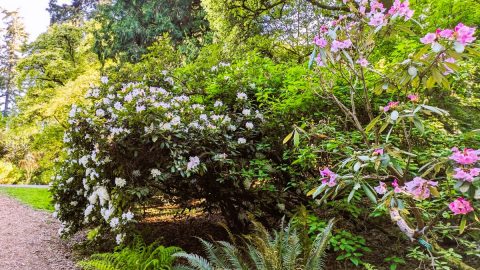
x,y
141,144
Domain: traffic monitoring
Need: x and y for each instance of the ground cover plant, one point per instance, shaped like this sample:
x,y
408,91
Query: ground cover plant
x,y
360,111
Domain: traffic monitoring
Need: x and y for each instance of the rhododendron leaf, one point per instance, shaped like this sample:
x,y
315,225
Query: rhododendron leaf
x,y
437,75
357,166
296,138
435,110
463,223
430,82
418,124
434,191
477,194
369,193
288,137
384,126
349,58
372,123
312,58
452,66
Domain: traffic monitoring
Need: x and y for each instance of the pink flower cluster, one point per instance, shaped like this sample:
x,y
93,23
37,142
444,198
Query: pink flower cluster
x,y
401,9
328,177
466,174
338,45
460,206
413,98
466,157
419,188
461,33
391,105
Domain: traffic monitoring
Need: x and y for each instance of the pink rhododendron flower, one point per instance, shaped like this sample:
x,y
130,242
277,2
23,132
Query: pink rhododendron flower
x,y
429,38
413,98
419,188
448,70
445,33
460,206
464,34
466,174
401,9
329,177
378,151
378,19
320,61
390,105
465,157
397,188
381,188
320,42
337,45
362,62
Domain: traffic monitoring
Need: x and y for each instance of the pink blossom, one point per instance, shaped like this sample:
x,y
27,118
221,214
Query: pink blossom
x,y
381,188
378,19
465,157
419,188
378,151
447,69
429,38
401,9
390,105
397,188
413,98
464,34
445,33
466,174
329,177
460,206
337,45
320,61
362,62
320,42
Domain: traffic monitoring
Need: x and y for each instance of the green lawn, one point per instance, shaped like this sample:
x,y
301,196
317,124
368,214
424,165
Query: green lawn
x,y
37,198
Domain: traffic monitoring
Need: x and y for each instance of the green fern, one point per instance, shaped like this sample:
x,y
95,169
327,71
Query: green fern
x,y
138,256
284,249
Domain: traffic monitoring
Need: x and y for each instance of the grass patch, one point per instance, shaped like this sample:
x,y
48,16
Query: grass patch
x,y
37,198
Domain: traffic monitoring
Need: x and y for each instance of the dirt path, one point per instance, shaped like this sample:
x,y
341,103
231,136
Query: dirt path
x,y
29,239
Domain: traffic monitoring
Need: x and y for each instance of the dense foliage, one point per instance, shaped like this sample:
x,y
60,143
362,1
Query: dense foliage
x,y
363,111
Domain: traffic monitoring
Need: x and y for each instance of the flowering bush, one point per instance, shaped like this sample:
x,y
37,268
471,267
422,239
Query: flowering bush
x,y
387,163
134,144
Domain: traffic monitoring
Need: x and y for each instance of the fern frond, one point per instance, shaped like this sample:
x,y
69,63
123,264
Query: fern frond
x,y
198,262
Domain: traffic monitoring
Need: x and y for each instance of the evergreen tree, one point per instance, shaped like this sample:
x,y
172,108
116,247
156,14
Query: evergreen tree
x,y
128,27
14,36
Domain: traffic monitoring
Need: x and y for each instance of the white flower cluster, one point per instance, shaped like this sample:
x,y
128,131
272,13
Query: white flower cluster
x,y
138,112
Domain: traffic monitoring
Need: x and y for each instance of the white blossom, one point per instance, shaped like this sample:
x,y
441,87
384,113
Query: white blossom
x,y
246,112
218,103
241,96
114,222
249,125
155,172
241,140
100,113
193,163
104,79
120,182
128,216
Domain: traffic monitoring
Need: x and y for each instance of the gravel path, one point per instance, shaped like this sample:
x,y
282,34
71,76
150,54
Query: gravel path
x,y
29,239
